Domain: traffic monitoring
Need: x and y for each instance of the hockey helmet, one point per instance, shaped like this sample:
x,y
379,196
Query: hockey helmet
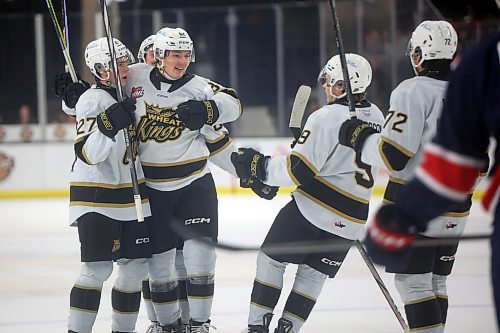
x,y
433,40
145,45
172,39
359,69
97,56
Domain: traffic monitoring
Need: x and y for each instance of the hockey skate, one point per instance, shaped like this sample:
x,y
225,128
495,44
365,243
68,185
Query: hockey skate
x,y
264,328
284,326
200,327
154,327
172,328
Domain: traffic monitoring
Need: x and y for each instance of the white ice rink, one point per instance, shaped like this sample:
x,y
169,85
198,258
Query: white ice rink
x,y
39,260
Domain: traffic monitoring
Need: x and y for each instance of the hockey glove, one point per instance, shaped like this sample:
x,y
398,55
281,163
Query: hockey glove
x,y
389,237
61,81
73,91
354,132
249,164
194,114
258,187
117,116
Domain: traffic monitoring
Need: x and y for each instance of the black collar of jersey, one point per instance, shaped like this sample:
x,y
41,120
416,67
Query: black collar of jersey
x,y
157,78
435,74
344,101
108,89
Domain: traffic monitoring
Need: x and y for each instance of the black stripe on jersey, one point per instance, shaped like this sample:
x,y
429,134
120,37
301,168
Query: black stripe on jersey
x,y
157,173
394,186
83,298
333,200
200,290
443,306
394,157
182,290
165,292
265,295
215,146
125,302
423,314
79,151
146,292
231,92
301,170
96,194
299,305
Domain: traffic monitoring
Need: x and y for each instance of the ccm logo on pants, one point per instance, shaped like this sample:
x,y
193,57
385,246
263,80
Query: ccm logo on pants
x,y
142,240
330,262
197,220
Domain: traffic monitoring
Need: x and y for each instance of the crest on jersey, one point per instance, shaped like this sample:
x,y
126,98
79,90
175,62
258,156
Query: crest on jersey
x,y
159,124
137,92
6,165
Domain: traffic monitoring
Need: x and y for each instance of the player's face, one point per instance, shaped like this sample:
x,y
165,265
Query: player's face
x,y
149,57
332,91
176,63
122,72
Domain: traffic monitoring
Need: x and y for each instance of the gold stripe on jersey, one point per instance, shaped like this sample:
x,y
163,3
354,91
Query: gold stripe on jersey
x,y
289,170
215,146
301,171
335,202
390,161
167,172
304,159
105,205
397,180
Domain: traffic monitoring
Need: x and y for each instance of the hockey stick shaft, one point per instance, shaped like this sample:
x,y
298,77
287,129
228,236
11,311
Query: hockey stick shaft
x,y
119,90
298,109
62,34
381,285
343,61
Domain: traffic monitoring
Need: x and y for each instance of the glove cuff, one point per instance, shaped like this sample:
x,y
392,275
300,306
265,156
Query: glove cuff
x,y
212,112
105,126
359,136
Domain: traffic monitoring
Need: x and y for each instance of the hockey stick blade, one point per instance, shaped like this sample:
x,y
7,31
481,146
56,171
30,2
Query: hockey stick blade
x,y
298,109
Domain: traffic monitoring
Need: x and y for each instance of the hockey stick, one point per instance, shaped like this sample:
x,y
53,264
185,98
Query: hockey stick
x,y
298,109
382,286
62,36
119,90
343,61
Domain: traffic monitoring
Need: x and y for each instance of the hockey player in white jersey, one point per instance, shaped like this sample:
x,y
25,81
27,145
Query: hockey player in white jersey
x,y
330,202
415,107
101,198
146,54
179,124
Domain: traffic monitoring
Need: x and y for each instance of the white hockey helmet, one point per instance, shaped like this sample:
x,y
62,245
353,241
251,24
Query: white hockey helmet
x,y
359,69
145,45
433,40
172,39
97,55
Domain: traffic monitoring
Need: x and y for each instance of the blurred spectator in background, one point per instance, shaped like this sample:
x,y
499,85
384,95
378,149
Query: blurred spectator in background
x,y
24,119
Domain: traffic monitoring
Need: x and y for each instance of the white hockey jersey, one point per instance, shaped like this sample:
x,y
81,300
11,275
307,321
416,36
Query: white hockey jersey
x,y
415,108
100,179
334,186
172,156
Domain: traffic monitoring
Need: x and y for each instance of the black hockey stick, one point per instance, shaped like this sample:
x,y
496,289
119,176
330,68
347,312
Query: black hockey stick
x,y
119,90
62,36
343,61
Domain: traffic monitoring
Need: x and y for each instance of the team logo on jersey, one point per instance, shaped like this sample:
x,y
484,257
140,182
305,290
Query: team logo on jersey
x,y
6,165
339,224
159,124
137,92
116,245
450,225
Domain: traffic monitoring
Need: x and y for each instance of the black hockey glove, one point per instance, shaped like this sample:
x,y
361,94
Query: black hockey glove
x,y
117,116
73,92
258,187
194,114
249,164
61,81
389,237
354,132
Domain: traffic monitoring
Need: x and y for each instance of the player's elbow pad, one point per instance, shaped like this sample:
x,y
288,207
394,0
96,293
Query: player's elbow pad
x,y
396,159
